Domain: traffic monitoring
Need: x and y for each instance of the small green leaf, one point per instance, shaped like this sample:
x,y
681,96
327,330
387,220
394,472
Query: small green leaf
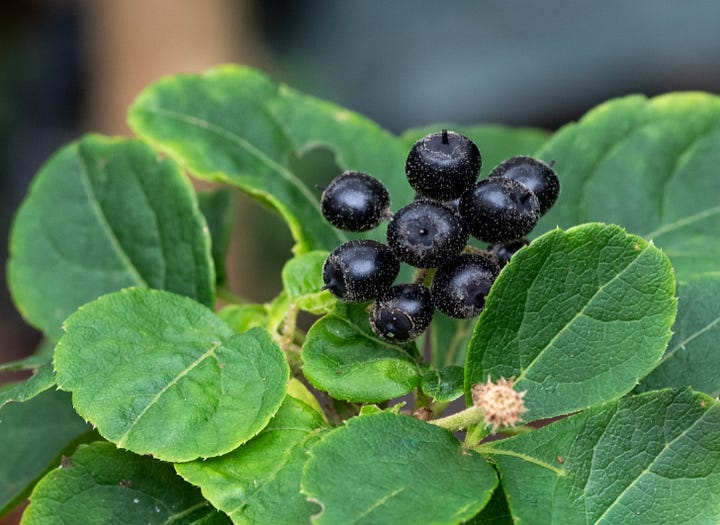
x,y
104,214
159,374
653,458
33,436
449,339
42,379
342,356
101,485
217,208
577,317
259,482
42,356
444,385
243,317
303,282
386,468
692,357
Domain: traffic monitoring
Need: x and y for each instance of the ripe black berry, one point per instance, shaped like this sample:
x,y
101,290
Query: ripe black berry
x,y
535,174
443,165
355,202
503,252
360,270
499,210
459,287
402,313
425,233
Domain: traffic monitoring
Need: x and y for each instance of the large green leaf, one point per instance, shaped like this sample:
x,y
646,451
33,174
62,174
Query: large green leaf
x,y
342,356
577,317
386,468
648,165
101,485
33,435
693,355
159,374
654,458
259,482
104,214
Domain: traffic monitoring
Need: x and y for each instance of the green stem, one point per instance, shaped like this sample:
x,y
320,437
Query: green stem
x,y
460,420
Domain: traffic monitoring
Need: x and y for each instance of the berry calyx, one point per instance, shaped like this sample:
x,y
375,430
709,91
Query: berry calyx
x,y
459,288
538,176
503,252
360,270
355,202
499,210
425,233
443,165
402,313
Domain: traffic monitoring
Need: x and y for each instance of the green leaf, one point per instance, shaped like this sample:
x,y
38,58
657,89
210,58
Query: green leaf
x,y
444,385
104,214
159,374
692,356
648,165
303,282
577,317
33,436
42,379
222,126
449,339
105,486
243,317
653,458
217,208
496,143
259,482
496,512
386,468
343,357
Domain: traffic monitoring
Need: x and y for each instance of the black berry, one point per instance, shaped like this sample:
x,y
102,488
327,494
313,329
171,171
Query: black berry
x,y
503,252
443,165
360,270
355,202
402,313
459,287
425,233
535,174
499,210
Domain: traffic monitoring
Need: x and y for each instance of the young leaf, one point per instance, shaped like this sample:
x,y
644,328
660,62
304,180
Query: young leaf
x,y
577,317
259,482
104,214
159,374
692,357
342,356
648,165
303,282
217,208
220,126
42,379
33,436
386,468
653,458
242,317
101,485
444,385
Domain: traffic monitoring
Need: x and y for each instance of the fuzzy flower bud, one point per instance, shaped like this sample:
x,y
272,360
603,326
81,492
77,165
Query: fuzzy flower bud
x,y
501,405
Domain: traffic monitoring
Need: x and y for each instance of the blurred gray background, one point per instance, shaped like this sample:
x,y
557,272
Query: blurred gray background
x,y
71,66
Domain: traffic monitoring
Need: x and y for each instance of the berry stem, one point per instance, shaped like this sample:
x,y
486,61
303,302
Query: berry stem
x,y
460,420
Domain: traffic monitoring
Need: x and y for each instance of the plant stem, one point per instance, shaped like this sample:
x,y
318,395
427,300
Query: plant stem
x,y
460,420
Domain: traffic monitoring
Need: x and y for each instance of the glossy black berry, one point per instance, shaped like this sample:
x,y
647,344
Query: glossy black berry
x,y
499,210
425,233
459,288
443,165
535,174
360,270
402,313
503,252
355,202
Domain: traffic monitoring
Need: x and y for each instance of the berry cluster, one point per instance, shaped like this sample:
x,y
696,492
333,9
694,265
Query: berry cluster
x,y
432,232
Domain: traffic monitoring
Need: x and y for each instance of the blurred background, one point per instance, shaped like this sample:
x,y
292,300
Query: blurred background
x,y
71,66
